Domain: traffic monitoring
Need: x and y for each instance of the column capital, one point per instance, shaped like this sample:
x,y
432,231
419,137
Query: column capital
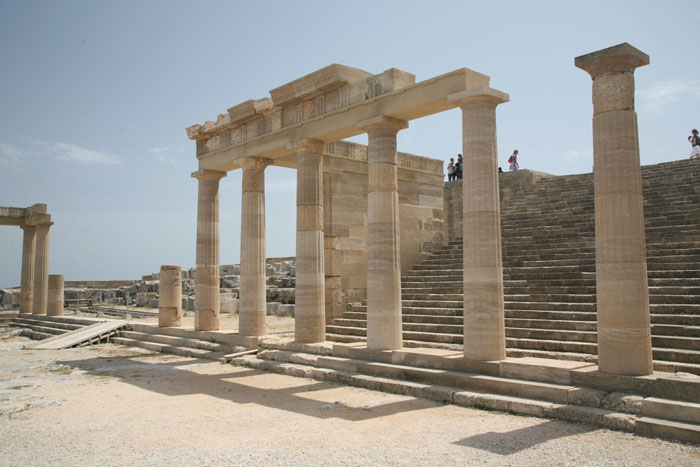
x,y
37,219
382,122
254,163
479,95
616,59
307,145
207,174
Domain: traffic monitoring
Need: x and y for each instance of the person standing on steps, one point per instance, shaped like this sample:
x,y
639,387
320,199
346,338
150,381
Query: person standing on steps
x,y
451,170
513,160
460,166
694,140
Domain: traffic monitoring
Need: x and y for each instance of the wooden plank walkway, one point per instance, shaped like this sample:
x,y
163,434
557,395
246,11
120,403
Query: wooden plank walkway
x,y
78,337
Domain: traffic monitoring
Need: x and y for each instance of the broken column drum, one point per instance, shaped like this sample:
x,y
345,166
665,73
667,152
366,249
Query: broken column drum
x,y
170,296
55,295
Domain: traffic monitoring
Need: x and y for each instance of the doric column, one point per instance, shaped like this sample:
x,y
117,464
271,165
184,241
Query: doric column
x,y
27,286
309,312
251,321
206,291
170,296
55,295
41,269
484,322
624,334
384,330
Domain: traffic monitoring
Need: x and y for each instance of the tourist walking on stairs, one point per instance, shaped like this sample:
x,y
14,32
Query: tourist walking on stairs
x,y
695,142
513,160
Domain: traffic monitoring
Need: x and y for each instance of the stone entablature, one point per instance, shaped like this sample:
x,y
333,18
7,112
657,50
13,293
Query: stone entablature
x,y
32,215
329,89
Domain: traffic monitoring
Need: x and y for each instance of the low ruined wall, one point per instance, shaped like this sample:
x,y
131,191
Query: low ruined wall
x,y
511,185
345,186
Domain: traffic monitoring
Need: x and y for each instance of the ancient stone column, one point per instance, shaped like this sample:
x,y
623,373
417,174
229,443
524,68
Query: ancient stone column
x,y
206,291
41,269
27,287
384,326
484,321
170,296
309,312
251,321
624,334
55,295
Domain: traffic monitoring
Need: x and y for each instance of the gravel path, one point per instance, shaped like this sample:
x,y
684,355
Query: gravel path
x,y
112,405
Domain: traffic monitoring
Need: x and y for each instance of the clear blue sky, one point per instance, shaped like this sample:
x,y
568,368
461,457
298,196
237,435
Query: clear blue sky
x,y
95,97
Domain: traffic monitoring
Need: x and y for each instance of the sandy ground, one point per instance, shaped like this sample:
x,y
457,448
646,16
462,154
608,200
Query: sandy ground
x,y
113,405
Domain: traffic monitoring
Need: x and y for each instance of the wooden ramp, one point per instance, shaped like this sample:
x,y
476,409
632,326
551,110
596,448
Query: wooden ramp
x,y
88,335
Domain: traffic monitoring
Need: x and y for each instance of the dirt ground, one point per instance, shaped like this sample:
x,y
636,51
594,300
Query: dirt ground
x,y
114,405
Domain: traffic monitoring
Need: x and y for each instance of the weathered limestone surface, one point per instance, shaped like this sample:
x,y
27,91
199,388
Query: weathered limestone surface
x,y
170,296
384,320
624,331
28,258
207,285
55,295
310,316
420,187
41,269
252,305
484,318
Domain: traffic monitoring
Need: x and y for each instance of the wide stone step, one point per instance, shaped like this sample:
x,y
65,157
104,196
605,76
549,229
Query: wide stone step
x,y
550,298
552,345
551,324
475,382
553,335
550,306
39,328
178,341
65,326
551,315
170,349
681,321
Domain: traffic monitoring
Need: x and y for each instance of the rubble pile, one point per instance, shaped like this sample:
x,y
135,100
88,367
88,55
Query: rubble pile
x,y
281,275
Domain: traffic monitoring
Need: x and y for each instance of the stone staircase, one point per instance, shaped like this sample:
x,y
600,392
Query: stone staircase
x,y
549,274
178,341
665,405
44,327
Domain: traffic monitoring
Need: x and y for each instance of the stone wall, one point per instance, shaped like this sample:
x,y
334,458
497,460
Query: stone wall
x,y
345,218
511,184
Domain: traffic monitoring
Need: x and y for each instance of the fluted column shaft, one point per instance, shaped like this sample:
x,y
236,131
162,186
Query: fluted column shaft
x,y
252,314
206,290
310,310
41,269
384,326
170,296
28,257
484,322
55,295
624,330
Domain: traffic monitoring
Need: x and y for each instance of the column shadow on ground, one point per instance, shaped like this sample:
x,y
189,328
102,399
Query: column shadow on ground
x,y
514,441
172,379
